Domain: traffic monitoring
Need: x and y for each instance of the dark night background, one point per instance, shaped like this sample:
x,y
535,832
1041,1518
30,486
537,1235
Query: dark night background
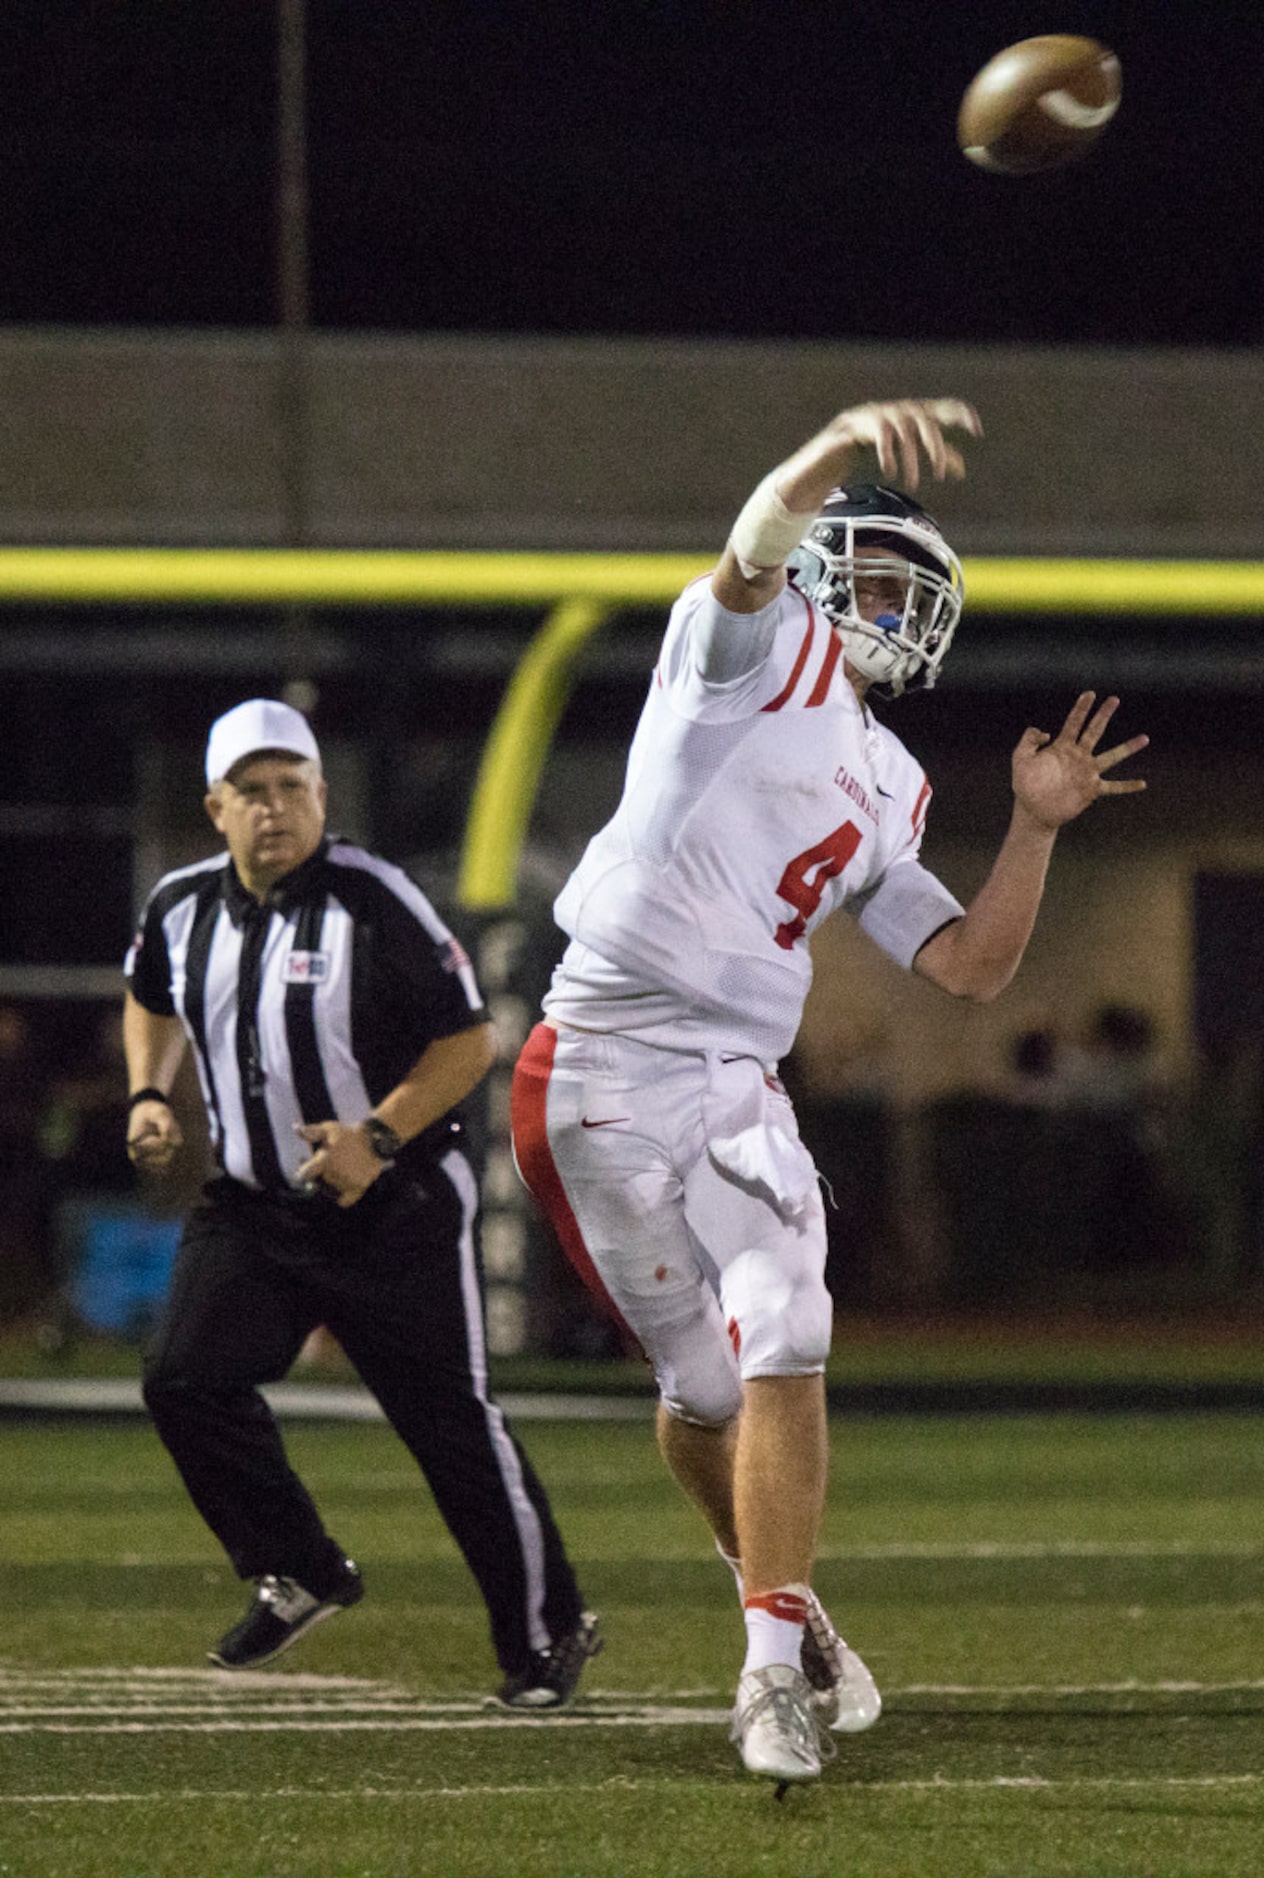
x,y
786,170
782,171
654,167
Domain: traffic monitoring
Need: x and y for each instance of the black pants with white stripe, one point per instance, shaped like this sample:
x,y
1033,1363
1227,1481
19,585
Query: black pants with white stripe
x,y
396,1280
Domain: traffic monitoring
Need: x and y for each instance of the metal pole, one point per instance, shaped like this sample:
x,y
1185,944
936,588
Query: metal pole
x,y
293,309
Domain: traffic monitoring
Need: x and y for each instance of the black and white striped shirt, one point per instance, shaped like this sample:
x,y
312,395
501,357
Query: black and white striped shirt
x,y
308,1007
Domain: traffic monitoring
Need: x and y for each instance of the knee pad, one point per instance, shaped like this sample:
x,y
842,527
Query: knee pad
x,y
702,1407
700,1383
779,1310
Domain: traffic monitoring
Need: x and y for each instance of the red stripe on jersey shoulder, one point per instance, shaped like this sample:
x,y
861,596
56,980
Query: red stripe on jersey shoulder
x,y
820,690
801,659
921,805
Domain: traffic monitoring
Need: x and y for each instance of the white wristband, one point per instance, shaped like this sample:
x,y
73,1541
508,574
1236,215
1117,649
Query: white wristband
x,y
766,531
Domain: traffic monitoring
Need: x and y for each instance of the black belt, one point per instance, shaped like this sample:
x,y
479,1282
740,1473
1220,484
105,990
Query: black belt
x,y
296,1199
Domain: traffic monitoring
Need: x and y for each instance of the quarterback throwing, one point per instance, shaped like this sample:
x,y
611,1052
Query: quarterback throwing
x,y
761,796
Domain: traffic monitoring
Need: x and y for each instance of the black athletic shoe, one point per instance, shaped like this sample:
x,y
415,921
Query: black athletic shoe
x,y
280,1611
552,1676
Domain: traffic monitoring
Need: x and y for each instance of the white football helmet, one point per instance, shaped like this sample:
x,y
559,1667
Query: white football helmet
x,y
868,526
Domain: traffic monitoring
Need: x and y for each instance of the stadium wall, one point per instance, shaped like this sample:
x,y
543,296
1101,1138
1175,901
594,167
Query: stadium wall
x,y
370,441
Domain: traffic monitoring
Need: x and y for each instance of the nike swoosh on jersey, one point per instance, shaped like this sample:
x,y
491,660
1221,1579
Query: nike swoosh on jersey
x,y
608,1121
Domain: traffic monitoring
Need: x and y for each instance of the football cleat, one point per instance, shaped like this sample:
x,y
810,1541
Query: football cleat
x,y
280,1612
775,1727
844,1695
551,1677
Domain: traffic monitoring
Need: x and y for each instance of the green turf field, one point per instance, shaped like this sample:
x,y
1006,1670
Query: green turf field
x,y
1065,1615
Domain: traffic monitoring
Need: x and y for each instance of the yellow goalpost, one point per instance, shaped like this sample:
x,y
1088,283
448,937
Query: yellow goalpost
x,y
580,591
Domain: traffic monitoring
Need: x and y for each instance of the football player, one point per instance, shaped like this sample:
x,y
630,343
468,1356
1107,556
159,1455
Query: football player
x,y
761,795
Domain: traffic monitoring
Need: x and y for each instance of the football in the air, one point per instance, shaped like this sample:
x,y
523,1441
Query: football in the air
x,y
1039,104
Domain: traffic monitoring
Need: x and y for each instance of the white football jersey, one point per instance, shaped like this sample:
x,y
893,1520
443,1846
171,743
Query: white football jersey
x,y
753,807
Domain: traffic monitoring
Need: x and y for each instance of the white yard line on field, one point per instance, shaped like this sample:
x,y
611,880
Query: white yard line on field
x,y
302,1401
1046,1549
668,1718
296,1681
896,1551
1130,1687
999,1783
131,1701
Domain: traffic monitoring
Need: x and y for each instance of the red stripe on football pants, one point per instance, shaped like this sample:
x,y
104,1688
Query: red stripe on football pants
x,y
528,1120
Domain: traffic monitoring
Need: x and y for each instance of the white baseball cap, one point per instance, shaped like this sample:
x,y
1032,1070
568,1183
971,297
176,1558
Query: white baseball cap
x,y
258,724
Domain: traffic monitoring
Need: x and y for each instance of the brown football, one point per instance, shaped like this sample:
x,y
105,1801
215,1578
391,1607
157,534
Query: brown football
x,y
1038,104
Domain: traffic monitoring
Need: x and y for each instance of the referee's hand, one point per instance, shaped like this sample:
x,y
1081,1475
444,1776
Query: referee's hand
x,y
153,1136
344,1163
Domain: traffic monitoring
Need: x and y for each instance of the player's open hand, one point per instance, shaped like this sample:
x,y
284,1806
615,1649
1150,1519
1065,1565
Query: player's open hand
x,y
904,432
1056,778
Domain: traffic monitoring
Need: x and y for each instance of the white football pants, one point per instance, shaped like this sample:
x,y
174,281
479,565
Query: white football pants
x,y
679,1189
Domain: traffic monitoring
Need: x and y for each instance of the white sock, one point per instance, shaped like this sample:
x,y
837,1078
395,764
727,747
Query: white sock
x,y
774,1627
735,1566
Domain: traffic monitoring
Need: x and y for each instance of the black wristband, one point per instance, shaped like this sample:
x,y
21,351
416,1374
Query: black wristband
x,y
148,1095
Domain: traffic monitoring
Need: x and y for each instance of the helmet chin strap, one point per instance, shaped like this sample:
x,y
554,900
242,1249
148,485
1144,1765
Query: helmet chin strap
x,y
871,640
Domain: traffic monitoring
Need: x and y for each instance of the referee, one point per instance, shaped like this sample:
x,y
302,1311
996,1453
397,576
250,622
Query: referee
x,y
336,1025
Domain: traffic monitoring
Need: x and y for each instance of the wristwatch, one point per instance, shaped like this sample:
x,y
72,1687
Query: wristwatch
x,y
381,1137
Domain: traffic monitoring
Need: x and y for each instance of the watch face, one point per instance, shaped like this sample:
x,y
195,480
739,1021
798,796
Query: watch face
x,y
382,1138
